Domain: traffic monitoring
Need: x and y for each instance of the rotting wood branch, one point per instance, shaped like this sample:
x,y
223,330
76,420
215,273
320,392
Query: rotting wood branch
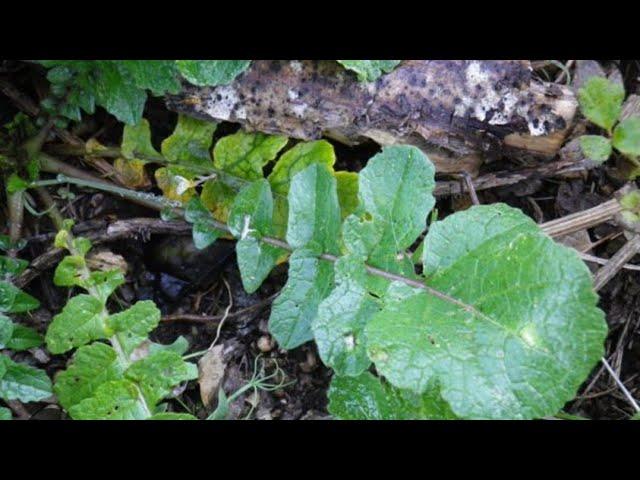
x,y
459,112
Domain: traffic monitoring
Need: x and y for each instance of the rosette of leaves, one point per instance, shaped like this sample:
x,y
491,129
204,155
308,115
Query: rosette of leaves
x,y
502,322
121,86
17,381
116,371
601,103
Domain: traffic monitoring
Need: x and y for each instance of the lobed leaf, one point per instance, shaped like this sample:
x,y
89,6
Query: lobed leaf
x,y
601,101
114,400
132,326
515,330
82,320
626,136
158,373
92,366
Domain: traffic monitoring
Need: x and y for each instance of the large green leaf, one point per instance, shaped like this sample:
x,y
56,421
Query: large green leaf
x,y
5,414
369,70
158,373
159,76
365,397
114,400
601,101
82,319
314,211
310,280
211,72
342,316
92,366
514,330
22,382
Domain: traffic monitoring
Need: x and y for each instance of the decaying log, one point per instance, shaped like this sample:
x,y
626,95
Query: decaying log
x,y
460,112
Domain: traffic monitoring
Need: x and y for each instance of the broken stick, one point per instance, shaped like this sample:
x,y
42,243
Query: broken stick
x,y
459,112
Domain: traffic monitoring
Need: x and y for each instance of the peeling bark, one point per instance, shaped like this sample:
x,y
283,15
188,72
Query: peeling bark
x,y
460,112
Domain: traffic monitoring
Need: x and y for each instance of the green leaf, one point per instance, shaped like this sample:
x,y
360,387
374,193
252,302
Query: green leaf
x,y
6,331
173,416
297,159
211,72
115,400
11,267
310,281
626,136
117,93
596,147
601,101
250,219
203,233
368,398
14,300
342,316
136,141
244,155
69,271
5,414
24,338
396,189
103,284
314,211
252,210
179,346
23,383
82,320
222,409
515,330
190,142
16,184
158,373
369,70
92,366
132,326
159,76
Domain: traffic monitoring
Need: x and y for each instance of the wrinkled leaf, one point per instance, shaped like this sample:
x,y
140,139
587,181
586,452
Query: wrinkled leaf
x,y
601,101
132,326
211,72
517,332
596,147
6,331
24,338
92,365
368,398
14,300
114,400
244,155
22,382
310,280
158,373
82,319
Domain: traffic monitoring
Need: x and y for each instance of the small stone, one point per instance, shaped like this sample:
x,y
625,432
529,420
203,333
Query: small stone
x,y
265,344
